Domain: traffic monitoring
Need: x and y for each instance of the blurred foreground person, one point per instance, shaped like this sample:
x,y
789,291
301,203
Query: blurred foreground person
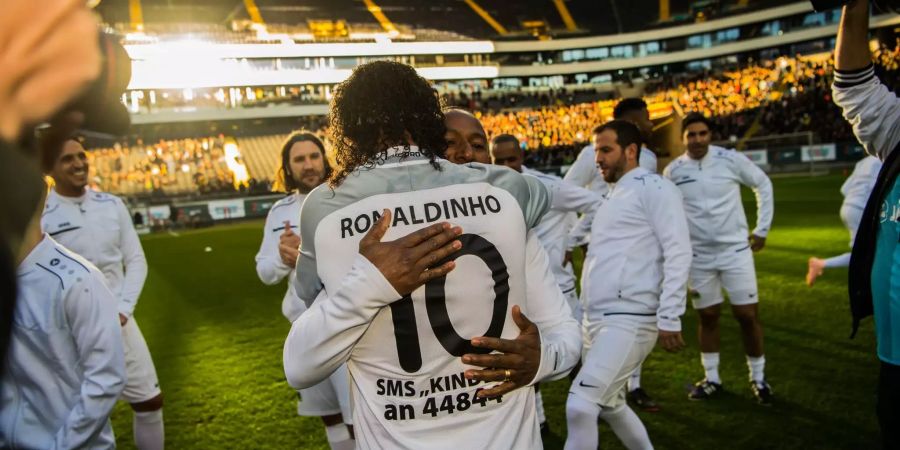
x,y
874,112
66,365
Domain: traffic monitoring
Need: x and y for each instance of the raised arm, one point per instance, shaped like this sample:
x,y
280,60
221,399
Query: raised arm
x,y
870,107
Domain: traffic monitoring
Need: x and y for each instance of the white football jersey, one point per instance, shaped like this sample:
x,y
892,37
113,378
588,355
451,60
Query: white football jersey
x,y
98,227
403,354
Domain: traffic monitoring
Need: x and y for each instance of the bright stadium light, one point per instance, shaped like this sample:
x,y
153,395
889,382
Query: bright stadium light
x,y
192,48
206,73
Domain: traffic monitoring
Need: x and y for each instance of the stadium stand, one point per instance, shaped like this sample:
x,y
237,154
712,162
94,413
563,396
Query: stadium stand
x,y
425,18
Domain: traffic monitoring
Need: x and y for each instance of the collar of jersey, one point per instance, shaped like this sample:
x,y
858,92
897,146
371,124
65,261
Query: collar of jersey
x,y
72,200
401,156
633,174
35,256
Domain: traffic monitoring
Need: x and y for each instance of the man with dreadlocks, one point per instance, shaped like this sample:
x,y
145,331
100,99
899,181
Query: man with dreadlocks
x,y
420,359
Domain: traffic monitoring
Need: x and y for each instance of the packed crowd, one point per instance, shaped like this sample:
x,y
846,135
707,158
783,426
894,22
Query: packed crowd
x,y
166,167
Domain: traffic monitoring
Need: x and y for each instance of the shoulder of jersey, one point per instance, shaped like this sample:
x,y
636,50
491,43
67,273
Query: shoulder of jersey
x,y
104,197
70,268
724,153
290,199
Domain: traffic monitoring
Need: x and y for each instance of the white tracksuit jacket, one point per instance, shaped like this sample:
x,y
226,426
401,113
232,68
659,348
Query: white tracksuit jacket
x,y
640,253
98,227
65,367
711,188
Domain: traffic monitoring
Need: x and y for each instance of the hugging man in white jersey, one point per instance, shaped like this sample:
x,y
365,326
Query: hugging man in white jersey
x,y
710,180
856,190
303,167
415,355
584,173
633,286
98,227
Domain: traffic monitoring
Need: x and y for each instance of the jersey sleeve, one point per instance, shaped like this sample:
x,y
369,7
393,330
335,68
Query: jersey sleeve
x,y
91,313
269,266
666,213
322,338
307,283
568,197
537,203
547,308
751,175
870,107
583,169
134,260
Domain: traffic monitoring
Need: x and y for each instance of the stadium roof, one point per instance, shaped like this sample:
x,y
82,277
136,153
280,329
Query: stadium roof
x,y
516,18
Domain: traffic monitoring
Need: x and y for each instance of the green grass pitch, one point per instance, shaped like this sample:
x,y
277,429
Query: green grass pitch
x,y
216,336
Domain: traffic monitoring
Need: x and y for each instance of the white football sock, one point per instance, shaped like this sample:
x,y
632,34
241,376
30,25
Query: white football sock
x,y
628,428
149,432
757,368
539,406
339,437
711,366
581,418
838,261
634,381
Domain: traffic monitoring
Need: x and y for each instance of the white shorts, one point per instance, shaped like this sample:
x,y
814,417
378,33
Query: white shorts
x,y
851,216
619,346
330,397
731,269
141,382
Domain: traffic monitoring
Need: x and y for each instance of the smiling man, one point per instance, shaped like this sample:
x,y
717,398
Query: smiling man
x,y
98,227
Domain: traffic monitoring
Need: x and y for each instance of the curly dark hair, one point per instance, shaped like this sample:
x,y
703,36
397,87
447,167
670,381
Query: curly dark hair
x,y
383,104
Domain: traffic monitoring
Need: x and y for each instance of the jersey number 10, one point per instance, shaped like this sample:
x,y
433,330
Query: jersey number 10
x,y
404,316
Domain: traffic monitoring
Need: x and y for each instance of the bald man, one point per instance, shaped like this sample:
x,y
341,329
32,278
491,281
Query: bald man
x,y
466,140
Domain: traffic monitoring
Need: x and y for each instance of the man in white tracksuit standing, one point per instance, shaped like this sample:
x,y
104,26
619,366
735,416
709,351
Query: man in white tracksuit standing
x,y
584,173
303,167
65,366
98,227
710,180
634,285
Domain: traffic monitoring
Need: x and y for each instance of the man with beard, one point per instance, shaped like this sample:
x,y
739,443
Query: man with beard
x,y
98,227
634,286
421,359
303,167
710,180
584,173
